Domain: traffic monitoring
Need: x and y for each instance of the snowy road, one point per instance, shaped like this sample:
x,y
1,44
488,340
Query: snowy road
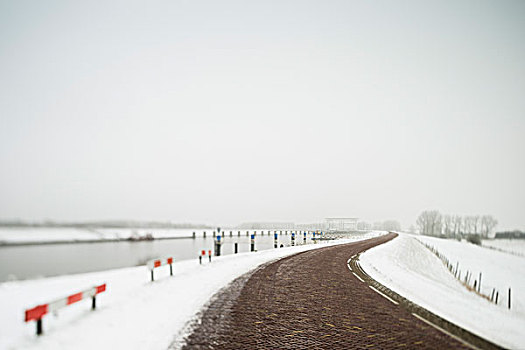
x,y
311,300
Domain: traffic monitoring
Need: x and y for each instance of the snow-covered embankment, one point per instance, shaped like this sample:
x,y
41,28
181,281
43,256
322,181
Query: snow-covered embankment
x,y
413,271
133,313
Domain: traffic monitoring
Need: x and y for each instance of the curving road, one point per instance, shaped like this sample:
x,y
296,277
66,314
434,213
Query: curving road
x,y
311,300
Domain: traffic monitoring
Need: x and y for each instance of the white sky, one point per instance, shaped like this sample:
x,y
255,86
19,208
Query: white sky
x,y
232,111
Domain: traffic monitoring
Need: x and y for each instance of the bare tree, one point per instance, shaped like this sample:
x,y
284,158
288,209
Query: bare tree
x,y
458,220
422,223
475,221
432,223
378,225
448,225
429,223
488,223
467,225
391,225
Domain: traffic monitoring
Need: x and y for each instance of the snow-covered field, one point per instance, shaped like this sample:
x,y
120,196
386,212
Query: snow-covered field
x,y
133,313
410,269
514,246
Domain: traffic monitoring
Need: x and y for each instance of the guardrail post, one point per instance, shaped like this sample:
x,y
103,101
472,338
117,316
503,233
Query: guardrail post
x,y
38,312
152,279
509,298
204,234
39,326
193,235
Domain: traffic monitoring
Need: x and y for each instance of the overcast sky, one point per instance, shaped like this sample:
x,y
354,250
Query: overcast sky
x,y
231,111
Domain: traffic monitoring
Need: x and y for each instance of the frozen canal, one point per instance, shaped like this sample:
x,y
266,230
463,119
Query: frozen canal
x,y
34,261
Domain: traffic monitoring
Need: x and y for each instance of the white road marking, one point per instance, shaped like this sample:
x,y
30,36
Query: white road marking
x,y
350,268
383,295
348,261
359,278
442,330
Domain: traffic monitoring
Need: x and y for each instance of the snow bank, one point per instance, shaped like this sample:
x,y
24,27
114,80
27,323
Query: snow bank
x,y
133,313
407,267
35,235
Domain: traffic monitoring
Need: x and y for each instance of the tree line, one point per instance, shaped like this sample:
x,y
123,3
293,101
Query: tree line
x,y
433,223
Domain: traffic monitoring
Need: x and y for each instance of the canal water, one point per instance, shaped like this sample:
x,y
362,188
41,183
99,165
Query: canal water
x,y
45,260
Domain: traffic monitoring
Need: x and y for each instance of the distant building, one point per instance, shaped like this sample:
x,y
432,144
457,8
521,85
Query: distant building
x,y
510,234
341,224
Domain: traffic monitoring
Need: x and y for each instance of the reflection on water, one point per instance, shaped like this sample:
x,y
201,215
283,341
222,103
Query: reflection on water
x,y
33,261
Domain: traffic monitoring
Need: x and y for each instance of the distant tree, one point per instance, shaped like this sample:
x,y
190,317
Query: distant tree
x,y
475,219
391,225
432,223
488,223
467,225
448,228
378,225
458,220
429,223
423,223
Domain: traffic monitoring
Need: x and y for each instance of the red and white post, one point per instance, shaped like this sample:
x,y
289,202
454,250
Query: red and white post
x,y
153,264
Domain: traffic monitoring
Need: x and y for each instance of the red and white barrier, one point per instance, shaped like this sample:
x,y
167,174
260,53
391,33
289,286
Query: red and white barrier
x,y
39,311
152,264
